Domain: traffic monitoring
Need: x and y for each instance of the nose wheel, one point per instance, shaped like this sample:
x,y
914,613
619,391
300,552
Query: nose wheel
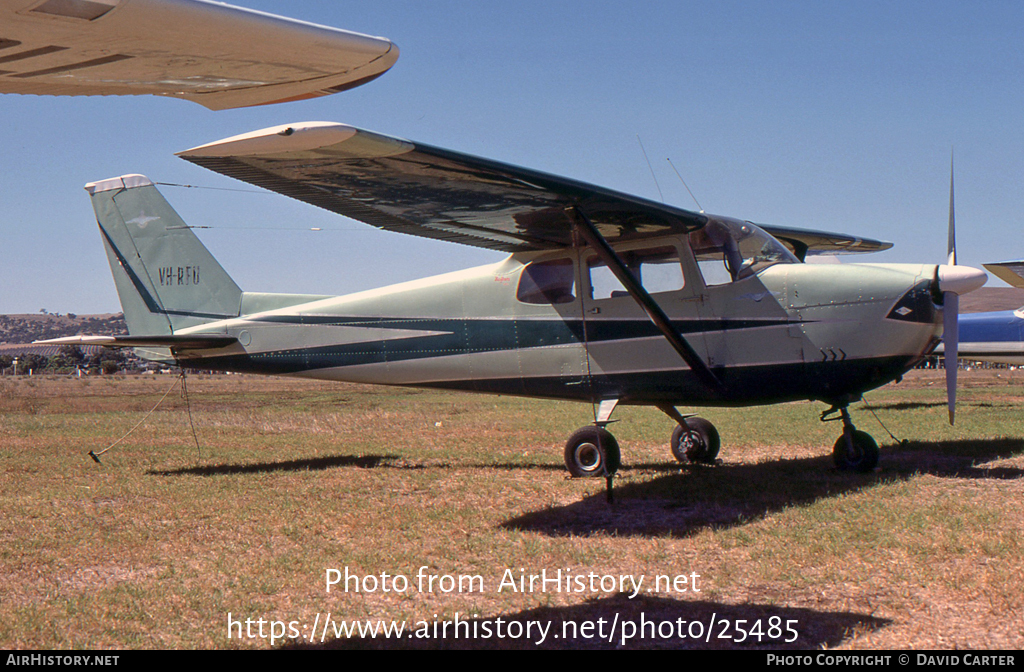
x,y
854,450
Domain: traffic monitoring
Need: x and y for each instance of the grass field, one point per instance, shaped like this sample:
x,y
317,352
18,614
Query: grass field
x,y
154,547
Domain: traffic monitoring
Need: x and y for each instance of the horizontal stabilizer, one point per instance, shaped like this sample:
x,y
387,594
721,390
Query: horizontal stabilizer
x,y
185,342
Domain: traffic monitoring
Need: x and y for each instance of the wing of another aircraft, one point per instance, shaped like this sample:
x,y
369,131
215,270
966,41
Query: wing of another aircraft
x,y
427,191
1010,272
210,53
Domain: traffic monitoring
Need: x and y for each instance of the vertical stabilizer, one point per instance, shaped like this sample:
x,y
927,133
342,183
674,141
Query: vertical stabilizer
x,y
166,279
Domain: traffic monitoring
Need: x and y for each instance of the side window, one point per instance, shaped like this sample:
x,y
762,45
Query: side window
x,y
546,282
657,269
603,283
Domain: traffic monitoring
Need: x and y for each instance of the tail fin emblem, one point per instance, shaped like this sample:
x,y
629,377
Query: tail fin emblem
x,y
142,220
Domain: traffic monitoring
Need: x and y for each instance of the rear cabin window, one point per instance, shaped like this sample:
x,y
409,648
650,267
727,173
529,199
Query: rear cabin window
x,y
657,269
544,282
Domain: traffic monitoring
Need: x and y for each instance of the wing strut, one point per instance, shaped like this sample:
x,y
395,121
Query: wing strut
x,y
594,239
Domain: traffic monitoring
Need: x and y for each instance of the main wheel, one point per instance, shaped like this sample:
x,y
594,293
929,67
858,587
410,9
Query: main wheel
x,y
697,442
863,457
592,451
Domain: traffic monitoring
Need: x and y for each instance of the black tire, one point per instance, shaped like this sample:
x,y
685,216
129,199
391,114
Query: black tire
x,y
864,457
591,452
697,442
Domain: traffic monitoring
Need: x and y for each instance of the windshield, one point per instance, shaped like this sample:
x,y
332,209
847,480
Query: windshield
x,y
730,250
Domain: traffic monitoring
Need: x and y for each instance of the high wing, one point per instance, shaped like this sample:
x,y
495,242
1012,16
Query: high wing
x,y
427,191
214,54
805,242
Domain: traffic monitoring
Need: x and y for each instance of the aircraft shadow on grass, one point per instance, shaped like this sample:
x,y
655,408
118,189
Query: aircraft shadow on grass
x,y
908,405
914,405
341,462
814,629
311,464
691,498
694,498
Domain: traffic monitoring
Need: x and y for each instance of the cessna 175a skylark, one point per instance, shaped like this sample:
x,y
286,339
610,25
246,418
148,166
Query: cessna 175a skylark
x,y
605,298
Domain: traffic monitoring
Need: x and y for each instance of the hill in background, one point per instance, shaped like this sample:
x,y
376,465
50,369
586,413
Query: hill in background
x,y
28,328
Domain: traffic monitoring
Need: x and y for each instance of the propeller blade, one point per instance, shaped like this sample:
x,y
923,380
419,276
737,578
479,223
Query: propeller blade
x,y
951,247
951,312
951,342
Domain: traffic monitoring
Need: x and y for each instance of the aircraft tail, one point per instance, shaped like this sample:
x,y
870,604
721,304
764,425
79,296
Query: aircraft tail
x,y
166,279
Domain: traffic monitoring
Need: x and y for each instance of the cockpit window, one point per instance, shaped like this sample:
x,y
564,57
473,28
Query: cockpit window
x,y
544,282
727,251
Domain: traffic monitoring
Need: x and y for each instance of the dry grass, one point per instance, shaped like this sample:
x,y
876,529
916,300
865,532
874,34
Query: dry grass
x,y
155,546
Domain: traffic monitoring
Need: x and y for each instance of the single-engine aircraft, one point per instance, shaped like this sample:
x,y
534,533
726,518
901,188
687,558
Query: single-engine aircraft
x,y
211,53
605,298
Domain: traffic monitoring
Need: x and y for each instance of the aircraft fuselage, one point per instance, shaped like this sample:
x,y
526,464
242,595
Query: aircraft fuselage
x,y
791,331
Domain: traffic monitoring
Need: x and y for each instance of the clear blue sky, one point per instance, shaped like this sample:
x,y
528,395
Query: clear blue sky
x,y
817,114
